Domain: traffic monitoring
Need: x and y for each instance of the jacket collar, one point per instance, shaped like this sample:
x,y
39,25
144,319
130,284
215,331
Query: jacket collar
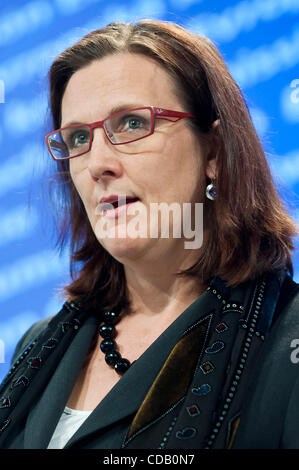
x,y
125,397
44,414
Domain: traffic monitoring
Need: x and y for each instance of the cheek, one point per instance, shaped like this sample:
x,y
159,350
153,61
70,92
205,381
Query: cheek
x,y
173,174
78,177
183,169
74,170
81,184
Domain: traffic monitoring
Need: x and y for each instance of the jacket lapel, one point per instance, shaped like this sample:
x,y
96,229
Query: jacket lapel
x,y
44,415
127,395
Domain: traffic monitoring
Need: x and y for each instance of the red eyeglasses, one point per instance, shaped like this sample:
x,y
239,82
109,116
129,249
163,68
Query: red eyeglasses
x,y
120,128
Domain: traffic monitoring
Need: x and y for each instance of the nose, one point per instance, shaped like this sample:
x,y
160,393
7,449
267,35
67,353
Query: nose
x,y
104,160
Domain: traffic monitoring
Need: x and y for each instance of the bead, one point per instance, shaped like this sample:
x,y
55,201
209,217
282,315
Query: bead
x,y
112,357
110,317
122,366
107,345
107,331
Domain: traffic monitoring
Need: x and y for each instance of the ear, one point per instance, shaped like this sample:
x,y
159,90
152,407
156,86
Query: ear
x,y
211,166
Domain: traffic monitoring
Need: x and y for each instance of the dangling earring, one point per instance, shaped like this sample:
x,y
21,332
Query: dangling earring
x,y
211,192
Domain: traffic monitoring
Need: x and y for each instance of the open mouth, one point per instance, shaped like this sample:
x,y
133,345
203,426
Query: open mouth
x,y
122,201
114,206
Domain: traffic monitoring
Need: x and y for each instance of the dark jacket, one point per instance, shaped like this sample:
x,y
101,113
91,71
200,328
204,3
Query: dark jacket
x,y
221,376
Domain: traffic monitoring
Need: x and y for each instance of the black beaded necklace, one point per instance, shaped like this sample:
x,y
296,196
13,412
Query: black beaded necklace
x,y
108,345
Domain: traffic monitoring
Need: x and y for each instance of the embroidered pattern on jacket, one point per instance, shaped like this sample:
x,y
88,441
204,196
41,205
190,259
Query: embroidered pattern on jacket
x,y
252,318
33,358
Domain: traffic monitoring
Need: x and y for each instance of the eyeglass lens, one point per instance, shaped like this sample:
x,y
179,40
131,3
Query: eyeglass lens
x,y
121,128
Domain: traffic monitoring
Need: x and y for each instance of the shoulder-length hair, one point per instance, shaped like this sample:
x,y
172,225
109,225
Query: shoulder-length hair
x,y
249,231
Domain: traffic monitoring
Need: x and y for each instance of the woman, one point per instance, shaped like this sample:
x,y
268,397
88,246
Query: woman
x,y
160,344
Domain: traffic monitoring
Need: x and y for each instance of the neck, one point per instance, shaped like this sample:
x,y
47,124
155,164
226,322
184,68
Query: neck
x,y
155,288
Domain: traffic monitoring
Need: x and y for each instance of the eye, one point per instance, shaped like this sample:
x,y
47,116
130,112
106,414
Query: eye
x,y
80,138
134,123
77,138
131,123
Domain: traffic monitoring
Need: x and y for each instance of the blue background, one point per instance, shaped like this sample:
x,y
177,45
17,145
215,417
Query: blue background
x,y
259,39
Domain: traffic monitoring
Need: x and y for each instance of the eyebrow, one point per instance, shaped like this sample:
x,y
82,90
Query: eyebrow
x,y
115,109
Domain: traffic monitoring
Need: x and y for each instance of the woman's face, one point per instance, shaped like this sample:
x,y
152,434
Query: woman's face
x,y
166,167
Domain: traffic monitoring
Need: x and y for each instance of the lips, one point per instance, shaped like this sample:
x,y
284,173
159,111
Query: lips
x,y
114,202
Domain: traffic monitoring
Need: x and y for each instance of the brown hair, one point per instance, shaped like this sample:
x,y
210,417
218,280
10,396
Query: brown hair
x,y
249,231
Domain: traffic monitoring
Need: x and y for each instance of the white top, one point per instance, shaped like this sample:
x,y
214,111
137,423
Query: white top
x,y
68,424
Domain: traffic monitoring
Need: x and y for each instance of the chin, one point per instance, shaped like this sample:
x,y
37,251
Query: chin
x,y
125,250
119,244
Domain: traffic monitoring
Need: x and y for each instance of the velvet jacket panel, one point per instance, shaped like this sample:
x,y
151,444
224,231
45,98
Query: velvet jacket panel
x,y
220,376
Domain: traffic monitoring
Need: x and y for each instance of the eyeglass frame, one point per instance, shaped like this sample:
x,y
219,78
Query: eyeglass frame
x,y
156,113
